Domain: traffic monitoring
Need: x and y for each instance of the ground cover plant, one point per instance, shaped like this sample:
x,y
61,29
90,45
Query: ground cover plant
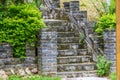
x,y
32,77
112,76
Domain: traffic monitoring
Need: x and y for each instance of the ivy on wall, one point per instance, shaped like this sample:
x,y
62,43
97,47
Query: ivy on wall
x,y
18,25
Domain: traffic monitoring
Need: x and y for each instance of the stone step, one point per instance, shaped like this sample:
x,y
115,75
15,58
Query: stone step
x,y
76,67
74,59
73,52
78,74
65,46
67,34
65,28
68,39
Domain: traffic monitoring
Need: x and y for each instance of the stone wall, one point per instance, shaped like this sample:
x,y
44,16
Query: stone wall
x,y
21,66
110,47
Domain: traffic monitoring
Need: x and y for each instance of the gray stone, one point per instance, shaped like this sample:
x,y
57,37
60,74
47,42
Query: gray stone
x,y
110,51
110,45
89,67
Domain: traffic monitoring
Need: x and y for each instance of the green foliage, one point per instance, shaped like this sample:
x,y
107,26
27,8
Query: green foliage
x,y
103,66
14,77
19,25
33,77
112,6
112,76
107,21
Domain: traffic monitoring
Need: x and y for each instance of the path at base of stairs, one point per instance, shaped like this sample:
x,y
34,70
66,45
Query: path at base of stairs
x,y
86,78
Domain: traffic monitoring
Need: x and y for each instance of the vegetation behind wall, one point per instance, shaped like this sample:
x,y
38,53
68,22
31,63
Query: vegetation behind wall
x,y
18,25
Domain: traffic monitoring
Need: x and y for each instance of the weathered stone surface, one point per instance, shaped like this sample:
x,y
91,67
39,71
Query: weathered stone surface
x,y
82,52
78,74
110,45
3,75
109,34
89,67
110,48
109,51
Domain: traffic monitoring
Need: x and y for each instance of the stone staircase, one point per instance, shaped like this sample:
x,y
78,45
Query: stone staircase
x,y
72,60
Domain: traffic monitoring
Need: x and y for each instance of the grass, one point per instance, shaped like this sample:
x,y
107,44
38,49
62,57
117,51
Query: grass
x,y
32,77
112,76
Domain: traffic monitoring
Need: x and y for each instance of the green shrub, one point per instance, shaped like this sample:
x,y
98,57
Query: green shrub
x,y
107,21
112,76
103,66
19,25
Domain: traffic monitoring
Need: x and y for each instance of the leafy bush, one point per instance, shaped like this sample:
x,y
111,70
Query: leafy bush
x,y
32,77
112,76
107,21
20,25
103,66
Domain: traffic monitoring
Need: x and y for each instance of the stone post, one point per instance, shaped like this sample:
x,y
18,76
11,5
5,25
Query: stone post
x,y
110,48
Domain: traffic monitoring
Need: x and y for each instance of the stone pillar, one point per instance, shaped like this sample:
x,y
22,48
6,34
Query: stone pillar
x,y
74,6
110,48
47,49
49,52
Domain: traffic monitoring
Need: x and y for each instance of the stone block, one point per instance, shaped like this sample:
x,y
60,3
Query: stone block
x,y
89,67
70,53
4,55
108,39
85,59
30,60
70,68
113,69
74,46
49,35
63,46
110,51
109,34
62,61
113,63
111,57
110,45
74,6
82,52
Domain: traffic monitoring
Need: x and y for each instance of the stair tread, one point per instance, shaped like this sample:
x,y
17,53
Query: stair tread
x,y
72,49
90,63
76,71
74,56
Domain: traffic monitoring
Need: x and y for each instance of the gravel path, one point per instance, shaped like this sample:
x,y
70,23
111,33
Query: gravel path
x,y
86,78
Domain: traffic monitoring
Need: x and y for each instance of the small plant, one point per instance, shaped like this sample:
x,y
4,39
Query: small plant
x,y
112,76
103,66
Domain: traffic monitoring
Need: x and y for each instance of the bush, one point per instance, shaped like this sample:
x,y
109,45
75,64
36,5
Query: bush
x,y
19,25
103,66
107,21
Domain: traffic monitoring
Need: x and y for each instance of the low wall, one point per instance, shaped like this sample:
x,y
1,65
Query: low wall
x,y
21,66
